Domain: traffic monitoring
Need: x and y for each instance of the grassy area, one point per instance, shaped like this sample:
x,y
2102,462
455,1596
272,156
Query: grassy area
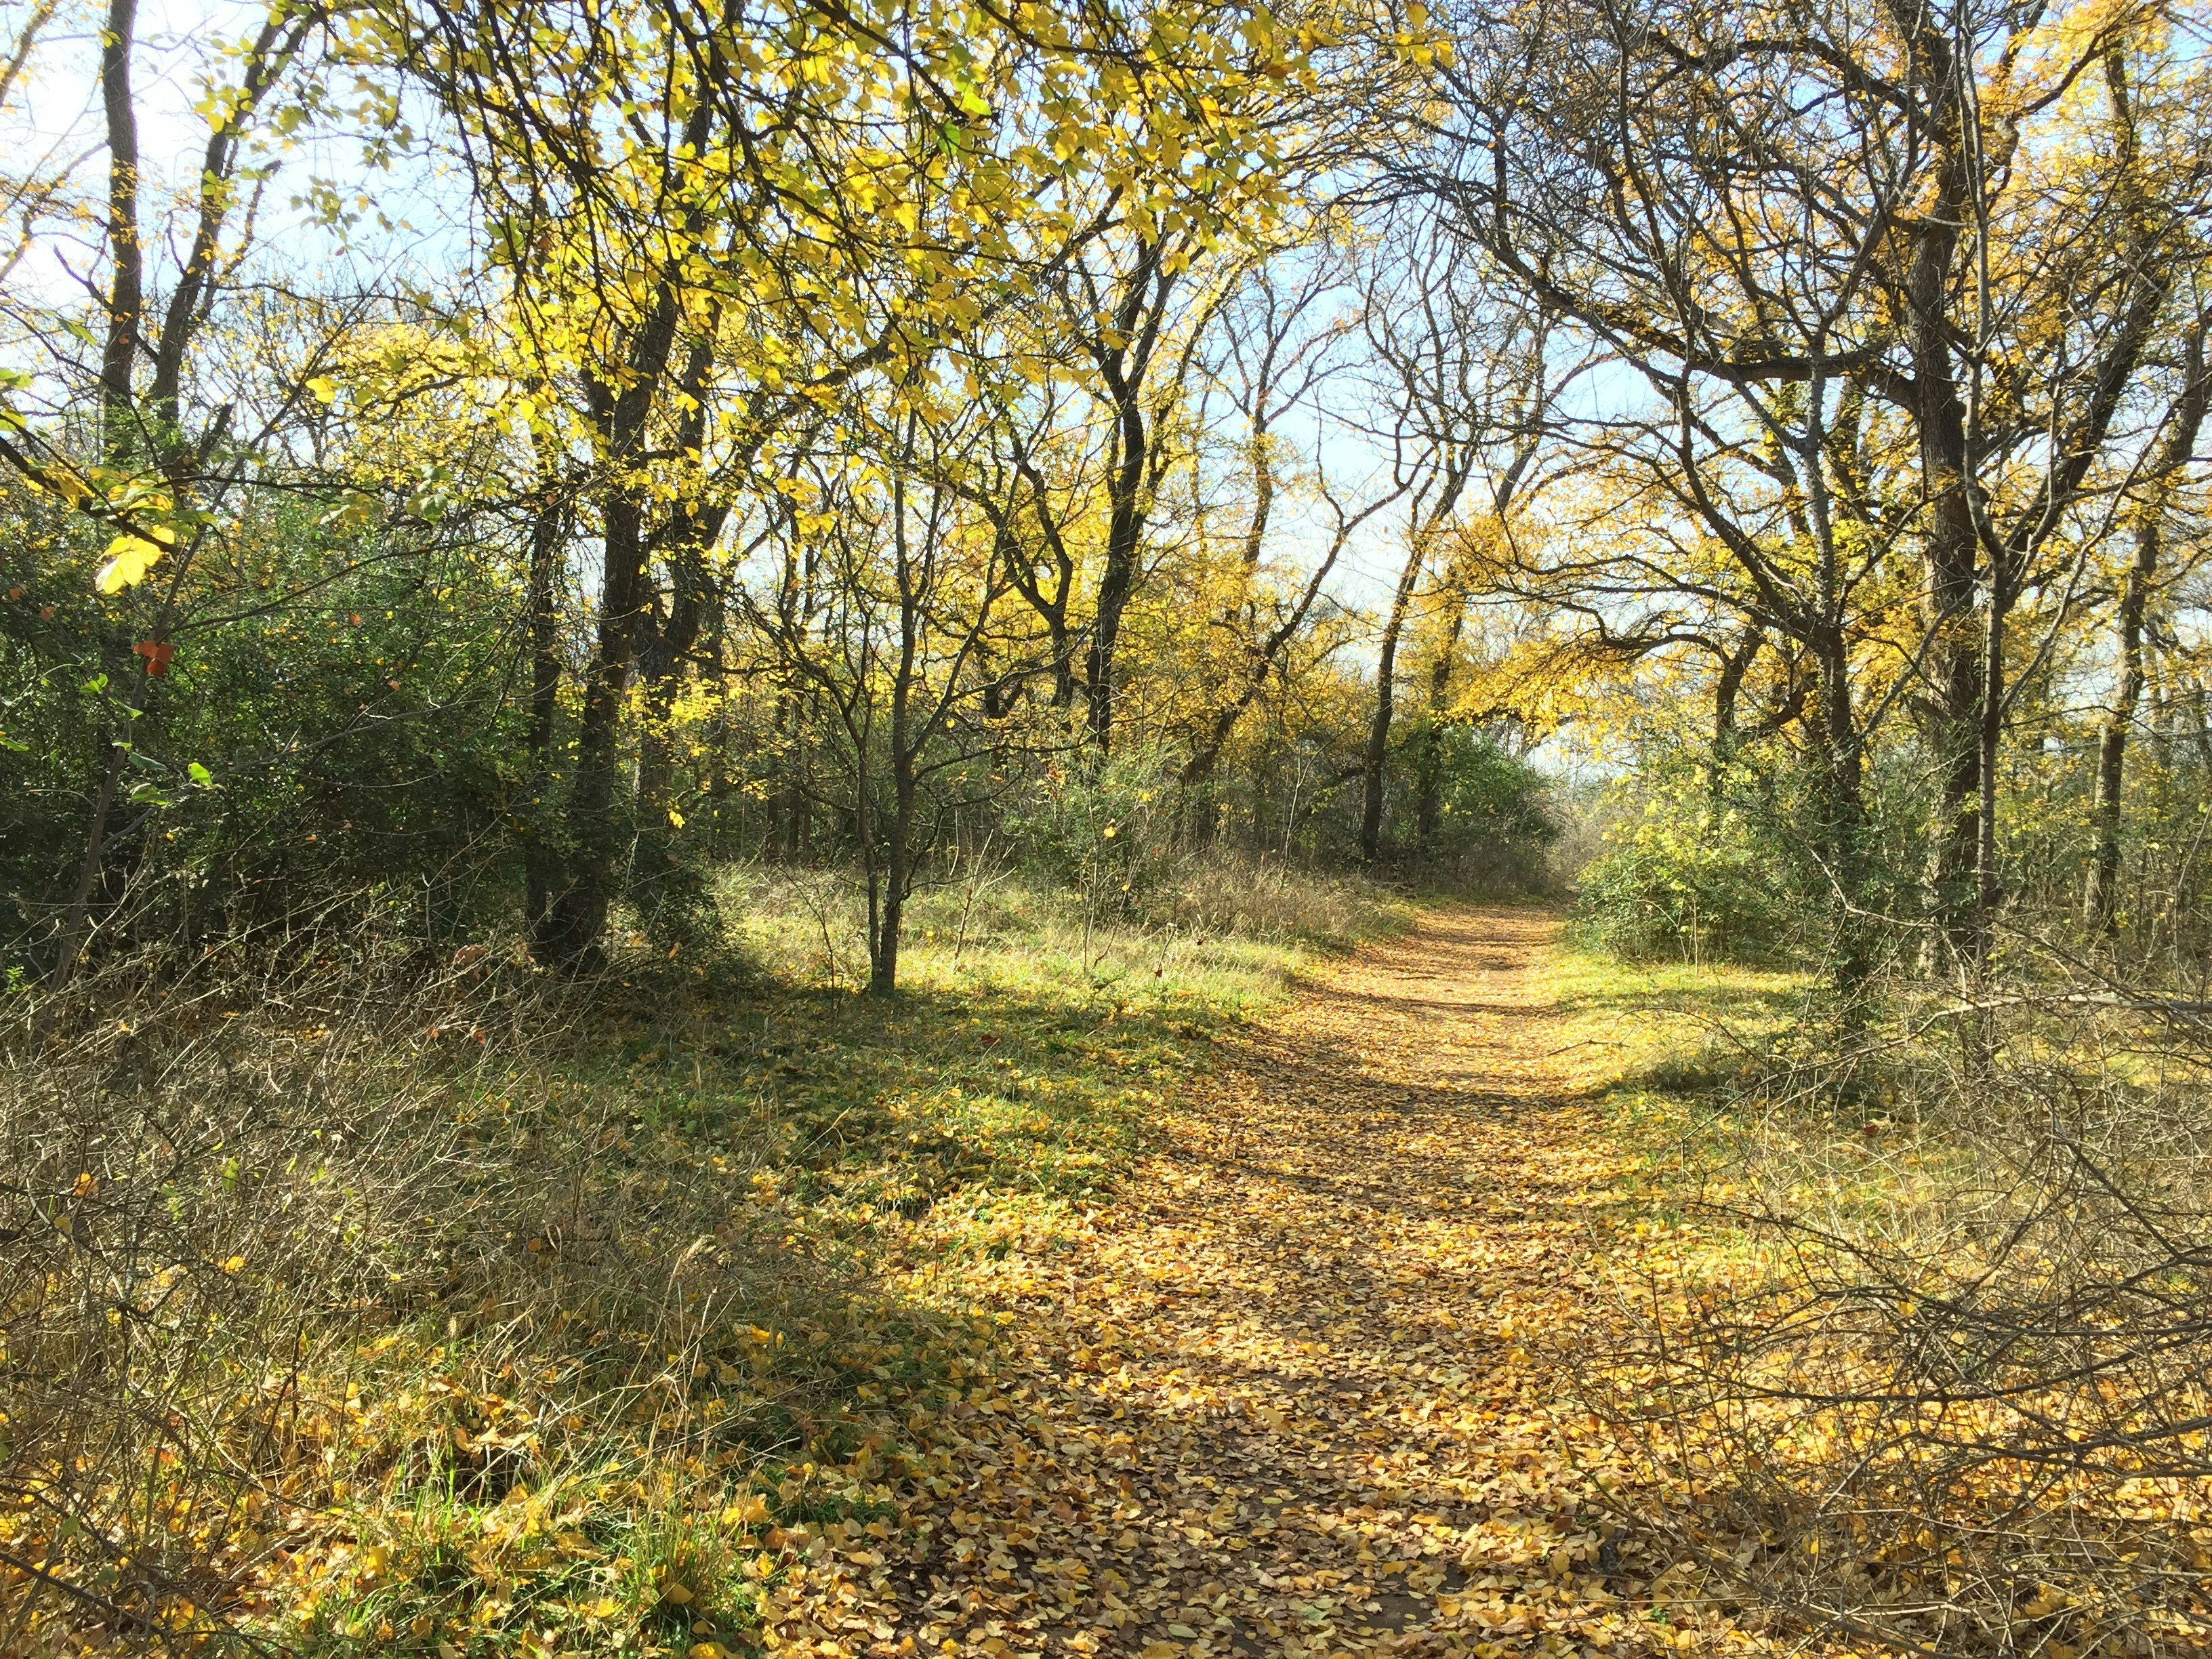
x,y
492,1316
1664,1038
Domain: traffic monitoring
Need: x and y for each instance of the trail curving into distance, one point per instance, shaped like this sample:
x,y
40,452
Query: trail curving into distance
x,y
1273,1400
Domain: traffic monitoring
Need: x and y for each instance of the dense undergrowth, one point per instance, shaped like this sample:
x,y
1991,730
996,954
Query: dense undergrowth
x,y
472,1310
1915,1348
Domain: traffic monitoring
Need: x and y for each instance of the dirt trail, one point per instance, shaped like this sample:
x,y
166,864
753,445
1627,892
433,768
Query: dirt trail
x,y
1274,1402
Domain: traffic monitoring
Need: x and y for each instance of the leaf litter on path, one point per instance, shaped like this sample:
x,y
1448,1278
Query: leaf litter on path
x,y
1277,1398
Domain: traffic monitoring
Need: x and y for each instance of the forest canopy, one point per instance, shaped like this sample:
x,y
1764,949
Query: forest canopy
x,y
535,454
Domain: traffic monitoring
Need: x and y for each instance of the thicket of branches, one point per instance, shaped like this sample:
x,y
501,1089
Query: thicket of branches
x,y
891,440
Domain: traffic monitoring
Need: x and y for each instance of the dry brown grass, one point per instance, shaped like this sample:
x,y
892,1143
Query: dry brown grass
x,y
1269,900
289,1260
1923,1356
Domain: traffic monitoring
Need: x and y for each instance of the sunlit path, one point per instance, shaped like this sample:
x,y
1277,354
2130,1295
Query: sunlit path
x,y
1274,1403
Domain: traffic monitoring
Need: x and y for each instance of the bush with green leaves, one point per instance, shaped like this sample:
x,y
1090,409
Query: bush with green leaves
x,y
1492,828
1103,829
340,712
1683,874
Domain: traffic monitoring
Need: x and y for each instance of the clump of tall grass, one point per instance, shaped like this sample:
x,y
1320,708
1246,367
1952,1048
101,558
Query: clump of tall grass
x,y
1280,902
1194,915
306,1274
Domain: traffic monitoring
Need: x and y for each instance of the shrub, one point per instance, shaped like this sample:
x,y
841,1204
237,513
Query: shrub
x,y
1939,1356
1105,831
1684,877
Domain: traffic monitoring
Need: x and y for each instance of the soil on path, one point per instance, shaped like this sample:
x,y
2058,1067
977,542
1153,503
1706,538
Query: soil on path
x,y
1274,1402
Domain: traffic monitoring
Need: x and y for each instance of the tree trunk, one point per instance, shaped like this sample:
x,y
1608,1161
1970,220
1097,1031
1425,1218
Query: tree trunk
x,y
1125,531
1988,743
899,875
568,936
657,884
574,922
667,891
1201,811
126,292
1952,725
1124,359
905,747
2100,907
1063,663
541,855
1844,810
1429,811
787,827
1727,694
1378,730
2100,901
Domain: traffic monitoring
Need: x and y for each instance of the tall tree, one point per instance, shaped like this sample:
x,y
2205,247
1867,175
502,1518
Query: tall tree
x,y
1862,208
2139,582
